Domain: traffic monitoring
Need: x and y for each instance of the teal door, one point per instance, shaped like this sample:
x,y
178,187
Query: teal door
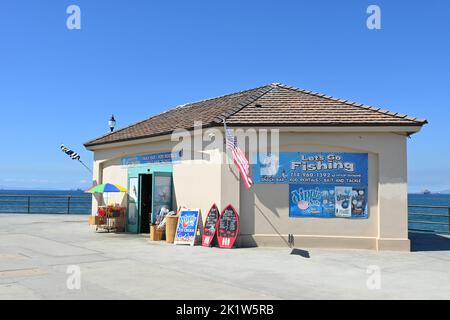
x,y
155,184
162,193
133,205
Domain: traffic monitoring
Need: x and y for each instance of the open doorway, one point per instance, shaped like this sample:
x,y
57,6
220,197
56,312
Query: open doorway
x,y
145,208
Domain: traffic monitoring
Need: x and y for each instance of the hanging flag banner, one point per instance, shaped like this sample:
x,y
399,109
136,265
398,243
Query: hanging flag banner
x,y
322,184
74,156
187,227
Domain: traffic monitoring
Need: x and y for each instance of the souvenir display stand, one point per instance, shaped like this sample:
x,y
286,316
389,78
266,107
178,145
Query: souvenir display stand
x,y
110,218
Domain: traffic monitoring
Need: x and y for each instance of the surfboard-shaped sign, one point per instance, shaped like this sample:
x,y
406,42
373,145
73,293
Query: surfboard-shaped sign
x,y
228,227
209,231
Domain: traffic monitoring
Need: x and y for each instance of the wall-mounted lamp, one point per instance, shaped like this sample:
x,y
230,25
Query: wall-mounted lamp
x,y
112,123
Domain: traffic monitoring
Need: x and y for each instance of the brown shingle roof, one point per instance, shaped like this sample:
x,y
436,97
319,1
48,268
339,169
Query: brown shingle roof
x,y
271,105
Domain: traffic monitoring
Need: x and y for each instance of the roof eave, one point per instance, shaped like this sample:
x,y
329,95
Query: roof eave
x,y
328,124
409,128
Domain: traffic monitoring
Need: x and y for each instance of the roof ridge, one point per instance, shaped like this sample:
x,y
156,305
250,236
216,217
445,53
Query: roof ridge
x,y
352,103
174,108
255,97
219,97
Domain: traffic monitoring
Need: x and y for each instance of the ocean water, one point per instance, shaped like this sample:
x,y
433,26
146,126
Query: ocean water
x,y
82,205
431,200
50,202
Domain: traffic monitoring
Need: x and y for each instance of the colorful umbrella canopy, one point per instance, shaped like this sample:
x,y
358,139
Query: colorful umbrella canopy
x,y
106,187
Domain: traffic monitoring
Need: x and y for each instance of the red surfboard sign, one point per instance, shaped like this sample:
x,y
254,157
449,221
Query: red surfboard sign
x,y
210,228
228,227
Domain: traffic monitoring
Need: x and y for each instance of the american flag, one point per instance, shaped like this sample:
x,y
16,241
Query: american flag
x,y
238,156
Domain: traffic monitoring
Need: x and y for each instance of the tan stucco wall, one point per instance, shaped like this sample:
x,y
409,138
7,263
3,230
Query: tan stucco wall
x,y
263,209
265,212
197,185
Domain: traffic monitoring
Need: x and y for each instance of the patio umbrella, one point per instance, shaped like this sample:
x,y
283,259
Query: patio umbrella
x,y
106,188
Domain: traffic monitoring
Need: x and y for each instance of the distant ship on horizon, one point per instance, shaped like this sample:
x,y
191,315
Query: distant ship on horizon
x,y
426,191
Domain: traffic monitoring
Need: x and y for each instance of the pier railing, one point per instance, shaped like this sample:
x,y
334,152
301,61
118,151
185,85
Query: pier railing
x,y
422,218
428,218
46,204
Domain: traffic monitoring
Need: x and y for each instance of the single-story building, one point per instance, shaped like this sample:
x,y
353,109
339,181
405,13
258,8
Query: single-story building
x,y
334,173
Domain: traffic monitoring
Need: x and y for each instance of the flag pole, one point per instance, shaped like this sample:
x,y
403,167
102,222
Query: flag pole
x,y
224,126
225,135
88,169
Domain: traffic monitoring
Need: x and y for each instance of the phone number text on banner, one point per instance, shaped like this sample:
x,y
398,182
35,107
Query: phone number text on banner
x,y
310,168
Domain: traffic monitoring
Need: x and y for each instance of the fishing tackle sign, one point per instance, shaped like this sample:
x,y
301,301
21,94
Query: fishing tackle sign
x,y
323,185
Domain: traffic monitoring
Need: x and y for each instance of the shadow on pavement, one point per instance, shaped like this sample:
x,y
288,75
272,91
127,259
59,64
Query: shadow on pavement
x,y
302,253
429,242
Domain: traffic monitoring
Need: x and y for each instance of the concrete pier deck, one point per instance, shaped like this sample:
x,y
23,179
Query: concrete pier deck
x,y
36,251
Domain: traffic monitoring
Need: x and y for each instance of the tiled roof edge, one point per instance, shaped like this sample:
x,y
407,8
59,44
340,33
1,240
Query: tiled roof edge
x,y
259,92
355,104
93,141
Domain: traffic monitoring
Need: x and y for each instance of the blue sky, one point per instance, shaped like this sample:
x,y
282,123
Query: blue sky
x,y
136,58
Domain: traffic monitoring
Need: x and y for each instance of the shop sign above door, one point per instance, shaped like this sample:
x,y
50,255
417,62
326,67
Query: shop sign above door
x,y
154,158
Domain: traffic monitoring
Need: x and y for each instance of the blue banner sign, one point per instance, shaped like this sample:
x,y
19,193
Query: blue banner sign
x,y
322,184
155,158
310,168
